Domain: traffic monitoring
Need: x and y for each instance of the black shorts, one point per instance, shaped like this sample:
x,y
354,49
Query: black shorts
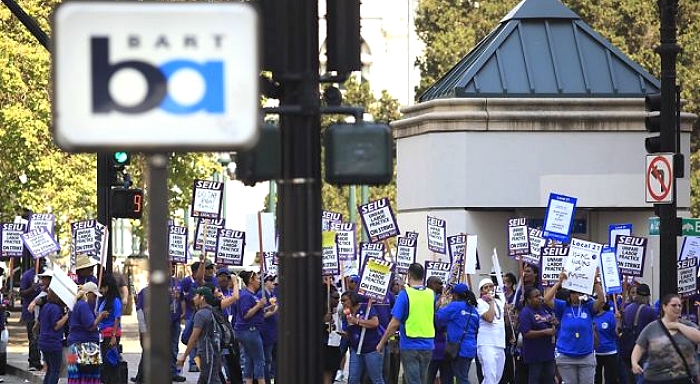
x,y
331,359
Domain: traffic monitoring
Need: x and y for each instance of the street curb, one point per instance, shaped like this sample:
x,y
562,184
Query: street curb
x,y
22,374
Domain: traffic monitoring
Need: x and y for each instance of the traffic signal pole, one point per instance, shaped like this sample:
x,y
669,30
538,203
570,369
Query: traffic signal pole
x,y
669,224
103,189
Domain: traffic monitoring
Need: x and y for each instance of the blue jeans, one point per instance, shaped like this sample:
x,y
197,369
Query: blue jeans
x,y
174,344
540,373
53,361
460,369
445,368
415,364
193,351
370,362
269,361
254,360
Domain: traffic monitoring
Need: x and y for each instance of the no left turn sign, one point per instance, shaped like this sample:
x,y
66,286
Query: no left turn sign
x,y
658,180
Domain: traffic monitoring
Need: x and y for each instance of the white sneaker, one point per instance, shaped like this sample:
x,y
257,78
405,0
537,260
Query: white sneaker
x,y
339,376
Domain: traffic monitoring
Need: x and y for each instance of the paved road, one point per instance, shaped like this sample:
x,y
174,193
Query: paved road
x,y
10,379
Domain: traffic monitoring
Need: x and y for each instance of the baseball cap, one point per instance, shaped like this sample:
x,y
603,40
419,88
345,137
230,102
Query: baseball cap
x,y
485,281
47,273
354,278
643,290
223,271
270,277
460,289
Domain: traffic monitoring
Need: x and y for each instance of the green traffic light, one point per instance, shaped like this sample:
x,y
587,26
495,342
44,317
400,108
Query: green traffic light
x,y
121,157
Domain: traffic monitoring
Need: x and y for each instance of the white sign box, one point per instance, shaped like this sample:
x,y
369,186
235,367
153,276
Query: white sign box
x,y
149,76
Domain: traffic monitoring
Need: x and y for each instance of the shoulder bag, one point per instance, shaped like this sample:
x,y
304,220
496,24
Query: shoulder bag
x,y
452,349
691,378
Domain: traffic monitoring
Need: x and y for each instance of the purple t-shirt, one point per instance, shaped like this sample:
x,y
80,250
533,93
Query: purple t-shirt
x,y
269,327
245,302
50,340
540,349
354,332
81,320
384,309
187,288
84,279
25,282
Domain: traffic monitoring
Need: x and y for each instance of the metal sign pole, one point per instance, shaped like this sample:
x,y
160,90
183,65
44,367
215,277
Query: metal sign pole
x,y
158,316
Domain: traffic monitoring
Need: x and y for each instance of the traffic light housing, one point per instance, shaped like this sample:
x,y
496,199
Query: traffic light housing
x,y
262,162
652,122
126,203
357,154
343,40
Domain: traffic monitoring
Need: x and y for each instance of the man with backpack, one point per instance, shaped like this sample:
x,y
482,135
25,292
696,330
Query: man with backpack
x,y
206,336
636,316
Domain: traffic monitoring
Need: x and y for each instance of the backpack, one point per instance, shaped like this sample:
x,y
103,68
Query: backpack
x,y
222,331
629,334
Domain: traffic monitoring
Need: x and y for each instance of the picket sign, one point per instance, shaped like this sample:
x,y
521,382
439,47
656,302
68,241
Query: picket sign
x,y
364,330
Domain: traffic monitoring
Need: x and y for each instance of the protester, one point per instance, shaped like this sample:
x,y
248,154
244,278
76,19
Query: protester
x,y
52,320
202,273
575,361
269,328
84,337
669,344
636,316
438,361
29,289
412,316
141,314
365,358
177,315
462,322
110,326
607,328
333,330
538,327
85,269
490,343
203,337
249,320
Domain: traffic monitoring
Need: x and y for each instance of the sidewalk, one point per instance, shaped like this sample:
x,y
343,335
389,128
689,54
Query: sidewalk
x,y
17,351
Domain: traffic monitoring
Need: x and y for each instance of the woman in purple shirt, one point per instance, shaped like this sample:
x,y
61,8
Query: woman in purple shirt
x,y
52,319
83,330
249,320
538,327
363,358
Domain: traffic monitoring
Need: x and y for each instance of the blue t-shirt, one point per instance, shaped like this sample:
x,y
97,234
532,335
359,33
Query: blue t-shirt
x,y
115,312
539,349
575,337
354,332
384,309
269,327
246,301
400,312
458,316
50,340
25,283
605,326
81,320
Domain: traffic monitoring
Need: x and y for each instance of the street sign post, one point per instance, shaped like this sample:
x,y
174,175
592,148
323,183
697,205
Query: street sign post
x,y
689,226
659,179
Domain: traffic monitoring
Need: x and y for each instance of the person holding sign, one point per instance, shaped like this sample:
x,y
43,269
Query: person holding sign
x,y
364,356
576,360
537,324
491,340
462,321
52,319
412,316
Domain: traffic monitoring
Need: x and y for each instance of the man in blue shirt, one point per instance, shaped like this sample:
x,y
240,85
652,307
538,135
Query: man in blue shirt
x,y
29,288
415,325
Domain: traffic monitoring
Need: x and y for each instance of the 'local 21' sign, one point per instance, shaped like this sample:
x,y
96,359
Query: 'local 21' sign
x,y
127,75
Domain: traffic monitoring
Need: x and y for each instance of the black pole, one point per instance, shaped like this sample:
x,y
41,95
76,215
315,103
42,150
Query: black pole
x,y
104,187
29,23
668,222
301,327
158,336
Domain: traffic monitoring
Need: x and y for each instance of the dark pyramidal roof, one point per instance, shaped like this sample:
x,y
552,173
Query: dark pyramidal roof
x,y
543,49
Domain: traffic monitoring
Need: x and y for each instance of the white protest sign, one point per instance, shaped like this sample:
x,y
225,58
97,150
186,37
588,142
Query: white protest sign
x,y
497,271
518,237
551,267
536,244
379,220
687,277
615,230
471,262
40,243
89,237
559,217
581,265
177,244
271,262
345,240
439,269
328,218
207,198
436,235
690,248
456,245
12,244
609,271
630,252
329,254
42,220
206,233
376,278
405,253
264,227
229,247
375,250
63,287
